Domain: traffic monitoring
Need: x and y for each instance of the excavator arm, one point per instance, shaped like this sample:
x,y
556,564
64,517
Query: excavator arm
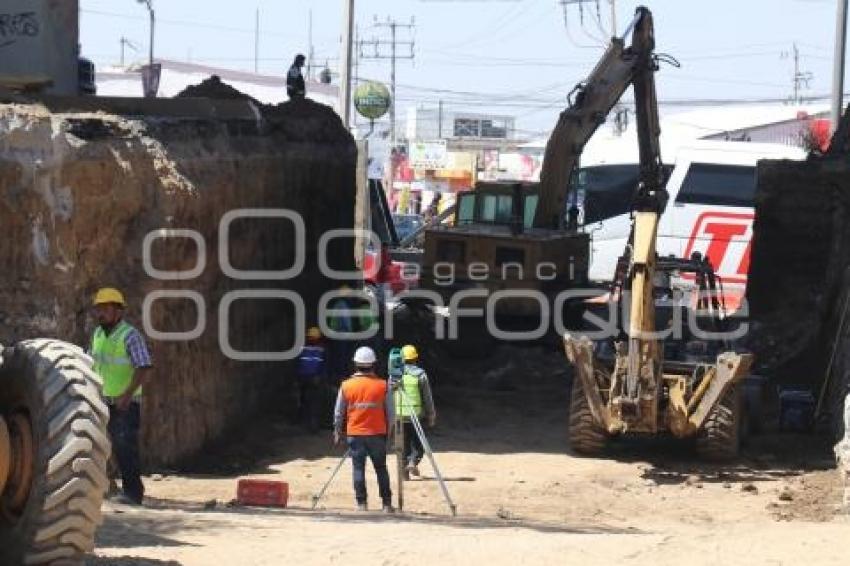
x,y
630,395
592,101
643,360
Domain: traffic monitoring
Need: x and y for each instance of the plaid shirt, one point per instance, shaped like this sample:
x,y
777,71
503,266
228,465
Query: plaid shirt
x,y
137,349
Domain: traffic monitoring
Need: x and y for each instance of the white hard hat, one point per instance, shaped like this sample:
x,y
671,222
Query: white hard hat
x,y
365,356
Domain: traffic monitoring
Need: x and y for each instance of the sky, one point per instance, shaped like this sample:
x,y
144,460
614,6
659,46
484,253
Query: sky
x,y
514,57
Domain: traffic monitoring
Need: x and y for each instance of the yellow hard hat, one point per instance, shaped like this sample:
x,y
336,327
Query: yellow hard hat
x,y
109,295
409,353
313,333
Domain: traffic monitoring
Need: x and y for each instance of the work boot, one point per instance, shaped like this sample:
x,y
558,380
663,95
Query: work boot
x,y
362,507
388,509
125,499
412,469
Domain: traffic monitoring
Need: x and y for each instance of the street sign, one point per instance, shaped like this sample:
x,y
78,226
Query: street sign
x,y
372,100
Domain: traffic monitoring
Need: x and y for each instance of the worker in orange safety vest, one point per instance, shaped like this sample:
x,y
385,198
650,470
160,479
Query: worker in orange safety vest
x,y
364,411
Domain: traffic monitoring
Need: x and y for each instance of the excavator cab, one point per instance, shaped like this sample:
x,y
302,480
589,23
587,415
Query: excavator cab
x,y
494,245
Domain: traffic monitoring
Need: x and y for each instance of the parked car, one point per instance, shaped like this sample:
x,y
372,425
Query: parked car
x,y
399,275
406,224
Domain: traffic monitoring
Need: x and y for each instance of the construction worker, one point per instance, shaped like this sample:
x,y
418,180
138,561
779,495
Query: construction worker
x,y
295,87
364,410
413,397
340,349
123,361
312,378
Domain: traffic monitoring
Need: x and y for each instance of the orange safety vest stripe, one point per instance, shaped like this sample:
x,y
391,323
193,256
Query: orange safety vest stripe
x,y
365,399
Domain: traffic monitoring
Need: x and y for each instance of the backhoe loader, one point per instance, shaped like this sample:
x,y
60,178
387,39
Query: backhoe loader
x,y
666,366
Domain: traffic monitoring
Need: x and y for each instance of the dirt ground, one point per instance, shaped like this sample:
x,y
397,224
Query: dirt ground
x,y
521,499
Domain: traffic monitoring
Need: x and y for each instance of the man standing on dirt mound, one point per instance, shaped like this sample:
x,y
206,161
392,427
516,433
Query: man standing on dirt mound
x,y
364,406
295,87
123,361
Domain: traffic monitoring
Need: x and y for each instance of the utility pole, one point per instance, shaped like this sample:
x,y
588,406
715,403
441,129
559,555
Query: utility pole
x,y
613,18
838,69
149,4
310,52
356,66
393,43
257,42
345,62
800,79
126,43
796,75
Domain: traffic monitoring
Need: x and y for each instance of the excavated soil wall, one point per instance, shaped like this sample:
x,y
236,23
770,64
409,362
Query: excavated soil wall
x,y
800,273
82,186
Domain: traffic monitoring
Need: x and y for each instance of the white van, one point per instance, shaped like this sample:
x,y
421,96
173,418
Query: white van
x,y
711,185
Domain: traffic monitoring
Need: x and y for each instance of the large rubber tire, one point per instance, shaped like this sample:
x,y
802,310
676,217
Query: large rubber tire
x,y
720,438
585,435
52,382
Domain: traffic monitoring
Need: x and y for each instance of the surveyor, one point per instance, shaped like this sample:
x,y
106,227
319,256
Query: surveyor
x,y
123,361
364,411
412,396
312,378
295,80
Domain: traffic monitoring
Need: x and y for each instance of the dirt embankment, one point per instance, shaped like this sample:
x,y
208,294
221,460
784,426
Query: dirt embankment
x,y
85,181
800,271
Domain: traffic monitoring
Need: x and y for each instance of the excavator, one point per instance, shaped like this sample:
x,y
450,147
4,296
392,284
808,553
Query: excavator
x,y
637,380
666,367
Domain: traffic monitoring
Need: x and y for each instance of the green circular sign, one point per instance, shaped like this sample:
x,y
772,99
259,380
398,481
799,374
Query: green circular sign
x,y
372,100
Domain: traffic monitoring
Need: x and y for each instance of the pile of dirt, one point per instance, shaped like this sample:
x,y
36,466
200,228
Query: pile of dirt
x,y
214,87
297,120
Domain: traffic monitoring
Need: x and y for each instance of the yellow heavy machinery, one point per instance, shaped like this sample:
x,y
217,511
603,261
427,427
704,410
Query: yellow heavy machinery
x,y
665,367
54,444
53,453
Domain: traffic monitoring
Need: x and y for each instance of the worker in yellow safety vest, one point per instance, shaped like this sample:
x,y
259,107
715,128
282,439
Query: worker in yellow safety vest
x,y
413,397
123,361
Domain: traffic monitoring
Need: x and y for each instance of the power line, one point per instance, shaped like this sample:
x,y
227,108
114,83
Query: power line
x,y
500,23
192,24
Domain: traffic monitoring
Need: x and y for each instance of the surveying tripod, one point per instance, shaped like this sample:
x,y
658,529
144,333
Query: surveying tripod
x,y
398,436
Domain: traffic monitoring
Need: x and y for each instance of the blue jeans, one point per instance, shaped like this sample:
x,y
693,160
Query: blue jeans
x,y
413,449
124,431
375,447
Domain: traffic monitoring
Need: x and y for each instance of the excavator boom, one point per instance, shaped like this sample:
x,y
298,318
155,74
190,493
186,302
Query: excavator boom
x,y
639,390
591,102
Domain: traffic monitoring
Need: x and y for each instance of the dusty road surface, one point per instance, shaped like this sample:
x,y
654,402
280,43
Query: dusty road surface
x,y
521,499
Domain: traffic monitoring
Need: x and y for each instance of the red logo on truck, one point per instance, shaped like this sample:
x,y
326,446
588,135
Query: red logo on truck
x,y
725,239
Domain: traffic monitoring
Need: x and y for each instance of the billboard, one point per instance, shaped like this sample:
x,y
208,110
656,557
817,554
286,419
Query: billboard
x,y
428,154
39,44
